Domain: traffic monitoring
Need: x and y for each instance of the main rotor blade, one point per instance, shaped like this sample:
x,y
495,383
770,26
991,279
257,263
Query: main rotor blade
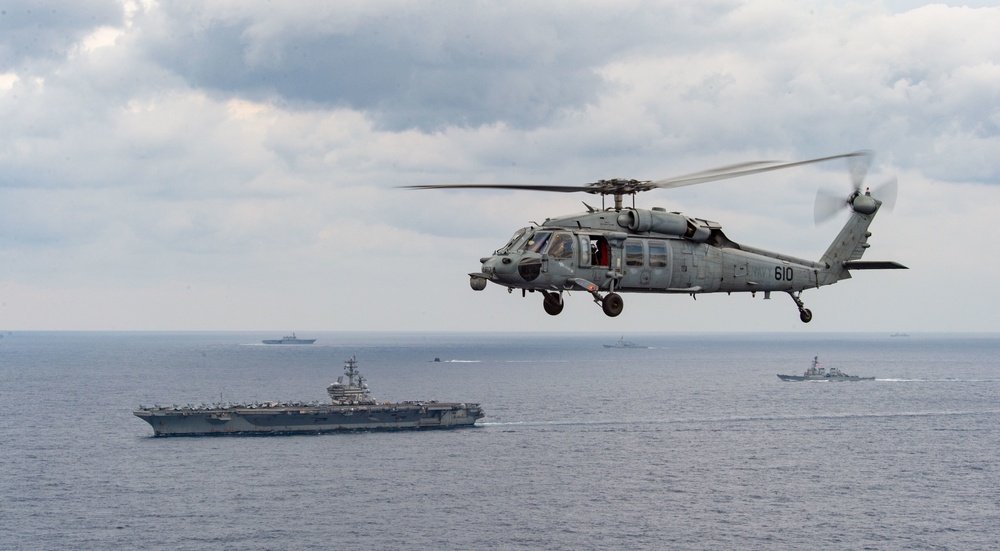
x,y
626,187
560,189
603,186
687,181
726,168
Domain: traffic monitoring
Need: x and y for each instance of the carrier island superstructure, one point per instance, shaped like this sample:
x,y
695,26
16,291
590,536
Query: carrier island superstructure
x,y
351,408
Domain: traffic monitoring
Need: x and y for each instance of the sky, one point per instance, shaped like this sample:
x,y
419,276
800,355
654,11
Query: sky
x,y
235,165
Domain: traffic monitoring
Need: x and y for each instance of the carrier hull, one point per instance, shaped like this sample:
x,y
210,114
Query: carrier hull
x,y
292,339
351,408
307,419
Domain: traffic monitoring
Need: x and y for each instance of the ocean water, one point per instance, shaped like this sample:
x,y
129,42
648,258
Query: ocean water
x,y
689,443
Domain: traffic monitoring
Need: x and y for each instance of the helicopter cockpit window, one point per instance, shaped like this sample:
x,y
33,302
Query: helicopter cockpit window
x,y
537,241
515,241
561,246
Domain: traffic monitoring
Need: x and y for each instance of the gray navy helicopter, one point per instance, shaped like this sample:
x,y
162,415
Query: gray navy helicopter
x,y
621,249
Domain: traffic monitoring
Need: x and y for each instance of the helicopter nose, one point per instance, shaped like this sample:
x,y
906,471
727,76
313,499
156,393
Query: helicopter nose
x,y
490,264
502,268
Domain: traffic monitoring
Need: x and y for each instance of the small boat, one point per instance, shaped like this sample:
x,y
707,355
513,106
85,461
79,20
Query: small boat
x,y
817,373
289,339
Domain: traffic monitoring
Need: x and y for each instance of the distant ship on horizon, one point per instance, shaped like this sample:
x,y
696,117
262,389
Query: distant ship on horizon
x,y
622,343
289,339
817,373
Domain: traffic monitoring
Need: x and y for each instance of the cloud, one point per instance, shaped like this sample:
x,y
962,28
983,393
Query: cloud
x,y
426,66
44,31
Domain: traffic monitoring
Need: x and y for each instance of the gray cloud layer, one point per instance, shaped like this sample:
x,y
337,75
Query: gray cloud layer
x,y
426,66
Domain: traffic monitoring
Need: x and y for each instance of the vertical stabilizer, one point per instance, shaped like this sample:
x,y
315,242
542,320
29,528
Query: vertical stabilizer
x,y
852,241
844,254
849,245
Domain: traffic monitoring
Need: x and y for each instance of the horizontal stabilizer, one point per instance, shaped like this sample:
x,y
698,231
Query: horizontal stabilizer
x,y
874,265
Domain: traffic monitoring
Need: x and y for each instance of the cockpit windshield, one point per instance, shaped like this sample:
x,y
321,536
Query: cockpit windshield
x,y
538,241
516,242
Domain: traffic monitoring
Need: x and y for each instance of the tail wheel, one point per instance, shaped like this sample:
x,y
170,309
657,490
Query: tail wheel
x,y
612,304
805,315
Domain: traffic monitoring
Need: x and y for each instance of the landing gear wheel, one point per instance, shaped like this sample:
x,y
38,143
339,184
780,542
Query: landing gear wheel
x,y
612,304
804,313
553,304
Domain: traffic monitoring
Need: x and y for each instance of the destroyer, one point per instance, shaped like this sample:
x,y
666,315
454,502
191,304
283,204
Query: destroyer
x,y
289,339
351,408
622,343
817,373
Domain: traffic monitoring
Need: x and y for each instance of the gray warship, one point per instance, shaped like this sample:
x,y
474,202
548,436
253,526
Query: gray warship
x,y
817,373
351,408
622,343
289,339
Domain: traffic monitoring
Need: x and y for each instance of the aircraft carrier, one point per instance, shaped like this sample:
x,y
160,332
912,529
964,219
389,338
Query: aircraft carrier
x,y
288,339
351,408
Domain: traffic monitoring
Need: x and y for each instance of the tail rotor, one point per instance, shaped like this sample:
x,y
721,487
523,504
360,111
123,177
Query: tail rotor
x,y
887,193
828,203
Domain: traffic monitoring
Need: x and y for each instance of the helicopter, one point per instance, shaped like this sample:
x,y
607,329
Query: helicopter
x,y
618,249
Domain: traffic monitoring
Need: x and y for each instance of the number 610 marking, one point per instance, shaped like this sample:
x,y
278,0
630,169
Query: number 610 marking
x,y
783,274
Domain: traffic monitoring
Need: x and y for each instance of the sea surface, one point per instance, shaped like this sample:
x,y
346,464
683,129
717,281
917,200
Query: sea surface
x,y
690,442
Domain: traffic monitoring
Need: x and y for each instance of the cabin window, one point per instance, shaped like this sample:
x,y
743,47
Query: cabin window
x,y
657,254
633,253
586,251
